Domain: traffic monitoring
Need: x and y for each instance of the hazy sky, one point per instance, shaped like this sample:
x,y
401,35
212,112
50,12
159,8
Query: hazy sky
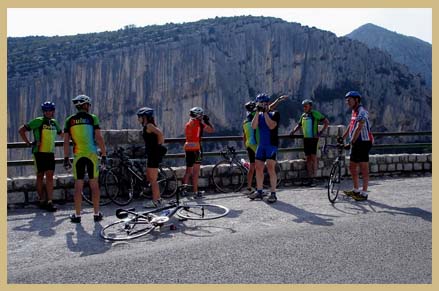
x,y
415,22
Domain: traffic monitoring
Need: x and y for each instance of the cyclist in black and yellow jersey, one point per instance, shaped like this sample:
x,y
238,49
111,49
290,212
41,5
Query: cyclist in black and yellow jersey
x,y
44,128
83,128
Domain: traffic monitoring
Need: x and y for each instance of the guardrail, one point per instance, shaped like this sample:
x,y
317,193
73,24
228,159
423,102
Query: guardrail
x,y
19,145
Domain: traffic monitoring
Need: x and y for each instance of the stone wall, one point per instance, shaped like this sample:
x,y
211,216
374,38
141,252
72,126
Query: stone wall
x,y
293,172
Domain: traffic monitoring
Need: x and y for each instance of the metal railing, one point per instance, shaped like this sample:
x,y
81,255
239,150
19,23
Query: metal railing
x,y
21,145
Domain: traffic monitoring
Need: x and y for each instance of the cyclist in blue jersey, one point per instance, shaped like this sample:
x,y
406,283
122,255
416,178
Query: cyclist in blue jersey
x,y
309,122
267,122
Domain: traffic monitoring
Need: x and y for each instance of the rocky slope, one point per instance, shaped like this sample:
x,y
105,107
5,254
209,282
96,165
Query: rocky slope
x,y
410,51
218,64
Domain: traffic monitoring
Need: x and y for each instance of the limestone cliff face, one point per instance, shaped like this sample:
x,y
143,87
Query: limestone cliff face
x,y
217,64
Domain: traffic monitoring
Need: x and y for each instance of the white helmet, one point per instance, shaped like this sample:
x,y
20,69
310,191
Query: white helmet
x,y
196,112
81,99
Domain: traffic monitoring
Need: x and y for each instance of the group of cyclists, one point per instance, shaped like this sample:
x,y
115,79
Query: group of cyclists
x,y
260,133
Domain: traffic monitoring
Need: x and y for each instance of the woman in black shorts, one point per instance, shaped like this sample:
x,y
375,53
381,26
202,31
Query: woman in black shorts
x,y
154,139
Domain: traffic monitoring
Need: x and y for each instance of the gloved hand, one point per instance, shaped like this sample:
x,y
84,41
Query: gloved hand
x,y
67,164
340,140
206,119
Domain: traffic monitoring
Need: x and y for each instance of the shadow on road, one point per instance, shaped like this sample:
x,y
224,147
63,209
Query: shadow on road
x,y
410,211
303,216
86,244
43,222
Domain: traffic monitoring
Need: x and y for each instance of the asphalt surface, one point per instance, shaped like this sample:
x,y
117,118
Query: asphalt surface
x,y
300,239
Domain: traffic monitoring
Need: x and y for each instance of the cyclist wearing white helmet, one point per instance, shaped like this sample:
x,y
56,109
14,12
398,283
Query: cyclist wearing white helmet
x,y
45,128
83,129
361,139
153,137
194,128
309,122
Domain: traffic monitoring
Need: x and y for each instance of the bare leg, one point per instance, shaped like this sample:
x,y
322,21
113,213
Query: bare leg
x,y
271,167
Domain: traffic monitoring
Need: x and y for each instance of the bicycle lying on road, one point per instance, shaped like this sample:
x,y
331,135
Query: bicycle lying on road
x,y
335,177
132,224
229,174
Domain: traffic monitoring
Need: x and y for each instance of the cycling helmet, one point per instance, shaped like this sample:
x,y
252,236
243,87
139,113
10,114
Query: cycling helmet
x,y
250,106
353,94
196,112
262,97
145,111
48,106
81,99
307,101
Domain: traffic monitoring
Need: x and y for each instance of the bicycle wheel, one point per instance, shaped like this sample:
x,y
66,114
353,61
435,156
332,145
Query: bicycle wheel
x,y
334,182
167,181
228,176
127,229
267,184
202,211
121,186
104,195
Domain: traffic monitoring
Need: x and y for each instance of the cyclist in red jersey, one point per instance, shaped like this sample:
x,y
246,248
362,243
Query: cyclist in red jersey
x,y
361,140
194,128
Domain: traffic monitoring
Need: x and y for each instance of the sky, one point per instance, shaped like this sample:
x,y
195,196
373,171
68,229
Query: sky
x,y
415,22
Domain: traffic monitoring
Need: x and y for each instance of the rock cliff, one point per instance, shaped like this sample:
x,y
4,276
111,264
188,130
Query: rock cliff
x,y
217,64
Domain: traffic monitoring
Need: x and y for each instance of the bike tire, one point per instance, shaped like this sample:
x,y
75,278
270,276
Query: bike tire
x,y
267,176
334,182
167,180
122,186
202,211
104,198
228,176
127,229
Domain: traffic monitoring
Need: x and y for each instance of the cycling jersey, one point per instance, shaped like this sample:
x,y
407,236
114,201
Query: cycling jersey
x,y
251,135
310,123
45,131
81,127
360,114
193,131
268,136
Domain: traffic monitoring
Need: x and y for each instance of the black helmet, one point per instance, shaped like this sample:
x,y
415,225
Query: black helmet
x,y
250,106
145,111
353,94
307,101
81,99
262,97
48,106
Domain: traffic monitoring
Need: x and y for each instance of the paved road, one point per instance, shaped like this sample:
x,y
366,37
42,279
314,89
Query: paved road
x,y
300,239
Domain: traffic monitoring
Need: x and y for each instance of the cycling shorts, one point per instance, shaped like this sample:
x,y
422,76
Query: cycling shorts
x,y
44,162
85,163
251,155
266,152
193,157
310,146
154,159
360,151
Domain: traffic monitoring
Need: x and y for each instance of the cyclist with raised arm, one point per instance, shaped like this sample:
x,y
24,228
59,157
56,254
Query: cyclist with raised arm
x,y
198,124
361,139
83,129
153,137
309,123
267,122
44,128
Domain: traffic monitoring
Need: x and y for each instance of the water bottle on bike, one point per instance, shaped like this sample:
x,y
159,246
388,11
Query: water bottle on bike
x,y
245,164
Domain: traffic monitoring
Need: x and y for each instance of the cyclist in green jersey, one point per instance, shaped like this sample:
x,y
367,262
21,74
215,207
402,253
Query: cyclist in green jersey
x,y
309,122
83,128
45,128
250,138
